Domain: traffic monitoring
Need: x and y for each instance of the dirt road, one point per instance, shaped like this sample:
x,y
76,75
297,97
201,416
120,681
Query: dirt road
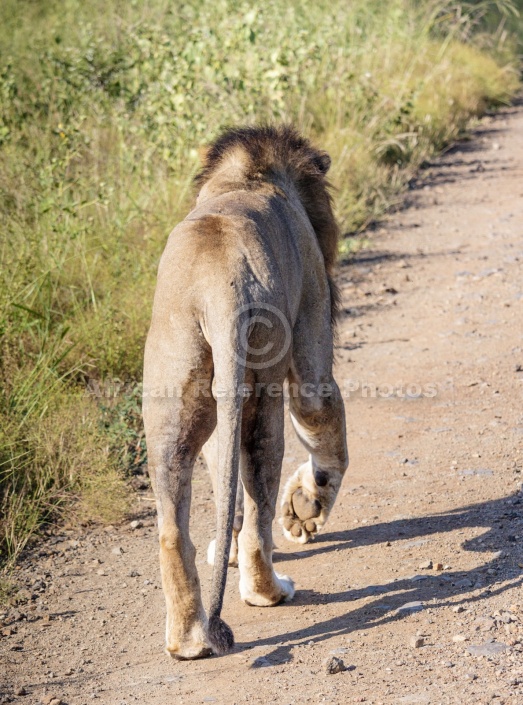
x,y
416,581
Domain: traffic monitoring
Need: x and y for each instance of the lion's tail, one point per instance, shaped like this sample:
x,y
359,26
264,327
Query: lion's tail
x,y
230,374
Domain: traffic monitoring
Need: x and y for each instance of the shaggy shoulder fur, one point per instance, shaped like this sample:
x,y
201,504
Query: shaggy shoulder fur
x,y
272,150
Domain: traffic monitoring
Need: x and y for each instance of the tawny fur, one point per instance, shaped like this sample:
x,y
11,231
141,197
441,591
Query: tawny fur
x,y
269,150
262,237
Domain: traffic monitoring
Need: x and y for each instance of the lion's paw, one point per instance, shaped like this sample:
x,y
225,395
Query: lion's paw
x,y
281,591
233,555
304,506
287,587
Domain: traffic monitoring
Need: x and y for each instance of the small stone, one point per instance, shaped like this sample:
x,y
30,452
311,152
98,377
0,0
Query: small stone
x,y
333,665
117,550
409,607
426,565
458,638
458,608
136,524
51,700
489,648
438,566
470,676
464,583
416,642
484,623
101,571
20,691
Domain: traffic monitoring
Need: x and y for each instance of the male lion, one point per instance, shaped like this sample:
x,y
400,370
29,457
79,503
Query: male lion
x,y
245,300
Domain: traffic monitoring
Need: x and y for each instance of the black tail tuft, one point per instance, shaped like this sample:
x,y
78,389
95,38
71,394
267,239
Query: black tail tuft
x,y
220,636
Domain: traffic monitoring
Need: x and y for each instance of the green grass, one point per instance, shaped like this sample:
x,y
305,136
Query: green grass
x,y
103,107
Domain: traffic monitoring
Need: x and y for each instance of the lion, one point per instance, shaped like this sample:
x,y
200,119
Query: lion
x,y
245,302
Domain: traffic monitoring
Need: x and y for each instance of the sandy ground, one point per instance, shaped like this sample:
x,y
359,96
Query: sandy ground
x,y
415,583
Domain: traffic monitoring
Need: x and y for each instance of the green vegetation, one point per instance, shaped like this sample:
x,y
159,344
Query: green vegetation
x,y
103,108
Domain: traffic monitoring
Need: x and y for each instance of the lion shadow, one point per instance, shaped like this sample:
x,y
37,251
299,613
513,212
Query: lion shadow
x,y
434,590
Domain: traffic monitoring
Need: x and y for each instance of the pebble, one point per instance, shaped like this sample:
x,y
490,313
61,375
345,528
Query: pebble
x,y
333,665
484,623
458,608
417,642
470,676
117,550
464,583
438,566
426,565
20,691
136,524
489,648
457,638
409,607
51,700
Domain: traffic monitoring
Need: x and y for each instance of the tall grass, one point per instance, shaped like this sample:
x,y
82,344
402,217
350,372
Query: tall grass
x,y
103,106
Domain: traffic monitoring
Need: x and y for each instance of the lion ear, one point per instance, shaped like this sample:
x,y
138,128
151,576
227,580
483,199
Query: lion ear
x,y
203,151
323,162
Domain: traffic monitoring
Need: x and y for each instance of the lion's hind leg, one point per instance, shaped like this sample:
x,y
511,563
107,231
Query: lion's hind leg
x,y
263,444
176,428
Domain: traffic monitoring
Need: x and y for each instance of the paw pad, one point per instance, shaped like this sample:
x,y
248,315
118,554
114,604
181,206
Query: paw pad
x,y
304,506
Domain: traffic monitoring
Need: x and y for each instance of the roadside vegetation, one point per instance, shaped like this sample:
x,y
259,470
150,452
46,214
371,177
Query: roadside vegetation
x,y
103,107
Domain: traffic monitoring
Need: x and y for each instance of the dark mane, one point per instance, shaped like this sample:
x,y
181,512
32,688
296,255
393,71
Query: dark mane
x,y
281,149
